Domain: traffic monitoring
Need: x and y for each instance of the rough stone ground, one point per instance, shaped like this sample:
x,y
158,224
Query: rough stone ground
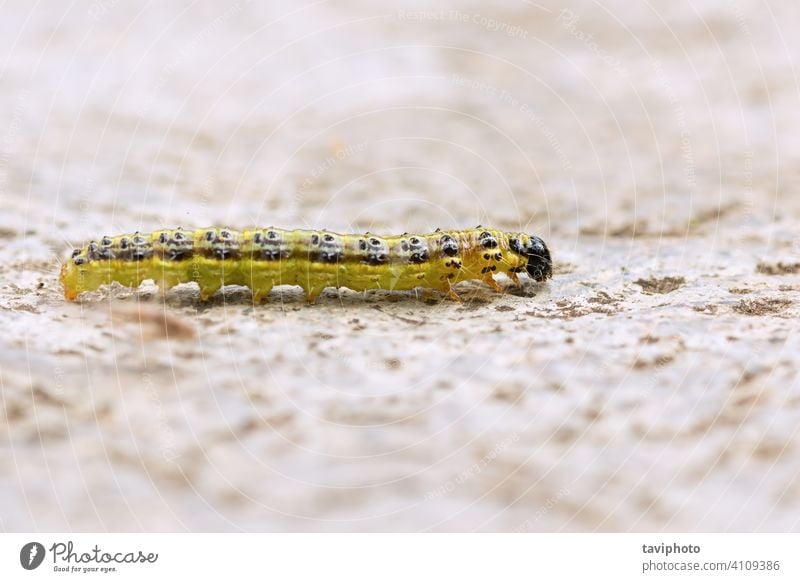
x,y
652,385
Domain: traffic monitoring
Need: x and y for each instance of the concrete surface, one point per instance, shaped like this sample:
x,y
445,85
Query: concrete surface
x,y
652,385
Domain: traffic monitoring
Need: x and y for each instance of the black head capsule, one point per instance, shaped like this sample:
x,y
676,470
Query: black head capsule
x,y
540,265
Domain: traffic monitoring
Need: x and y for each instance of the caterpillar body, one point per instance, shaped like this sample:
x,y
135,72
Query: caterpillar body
x,y
263,258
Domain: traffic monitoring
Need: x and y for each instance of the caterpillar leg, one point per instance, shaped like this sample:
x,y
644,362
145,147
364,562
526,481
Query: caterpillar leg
x,y
212,276
447,288
454,296
164,282
161,292
515,278
260,293
208,289
493,284
312,294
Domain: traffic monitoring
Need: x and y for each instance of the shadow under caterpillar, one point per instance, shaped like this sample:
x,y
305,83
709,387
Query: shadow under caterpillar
x,y
263,258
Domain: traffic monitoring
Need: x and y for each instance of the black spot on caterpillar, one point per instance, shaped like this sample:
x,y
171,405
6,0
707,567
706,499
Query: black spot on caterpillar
x,y
314,260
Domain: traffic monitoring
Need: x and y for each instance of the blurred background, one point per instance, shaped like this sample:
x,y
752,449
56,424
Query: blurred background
x,y
651,386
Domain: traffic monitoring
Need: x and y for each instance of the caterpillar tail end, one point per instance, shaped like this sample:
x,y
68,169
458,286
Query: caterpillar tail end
x,y
70,291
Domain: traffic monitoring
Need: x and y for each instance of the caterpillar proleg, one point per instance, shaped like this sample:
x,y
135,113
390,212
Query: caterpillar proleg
x,y
263,258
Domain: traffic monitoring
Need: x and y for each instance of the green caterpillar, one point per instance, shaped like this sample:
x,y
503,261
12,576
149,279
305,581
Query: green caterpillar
x,y
263,258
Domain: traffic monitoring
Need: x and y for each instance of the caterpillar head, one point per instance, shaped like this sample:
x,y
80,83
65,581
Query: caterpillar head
x,y
539,265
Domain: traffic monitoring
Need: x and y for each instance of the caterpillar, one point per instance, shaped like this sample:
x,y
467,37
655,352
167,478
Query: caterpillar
x,y
263,258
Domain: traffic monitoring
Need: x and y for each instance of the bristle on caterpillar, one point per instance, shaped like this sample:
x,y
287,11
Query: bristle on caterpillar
x,y
263,258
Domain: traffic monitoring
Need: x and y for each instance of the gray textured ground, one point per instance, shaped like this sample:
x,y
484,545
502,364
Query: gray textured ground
x,y
652,385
